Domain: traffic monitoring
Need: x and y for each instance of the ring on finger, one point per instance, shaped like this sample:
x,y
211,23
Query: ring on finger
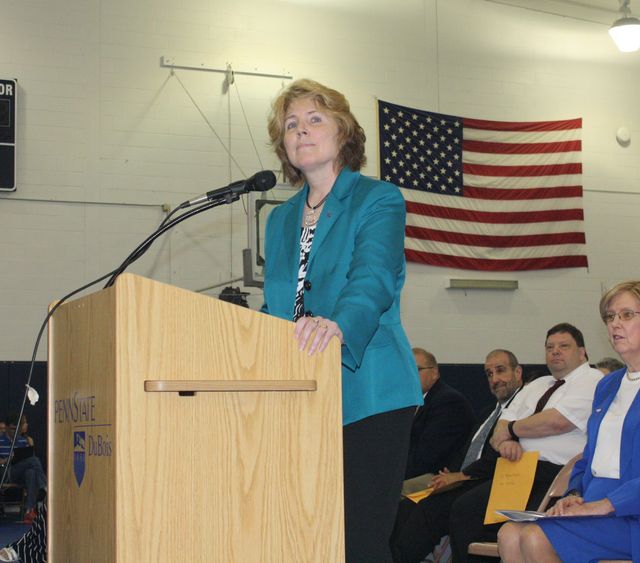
x,y
324,327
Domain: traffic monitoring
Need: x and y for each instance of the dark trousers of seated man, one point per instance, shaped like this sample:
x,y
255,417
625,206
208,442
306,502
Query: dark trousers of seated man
x,y
420,527
29,473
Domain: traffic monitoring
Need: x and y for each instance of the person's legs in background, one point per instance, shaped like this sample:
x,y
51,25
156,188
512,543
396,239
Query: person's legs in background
x,y
466,523
420,527
30,475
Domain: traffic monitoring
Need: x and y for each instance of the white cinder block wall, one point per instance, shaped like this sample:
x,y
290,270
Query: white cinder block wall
x,y
107,136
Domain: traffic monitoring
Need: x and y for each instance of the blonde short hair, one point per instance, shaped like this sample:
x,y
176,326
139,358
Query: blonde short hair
x,y
632,286
351,137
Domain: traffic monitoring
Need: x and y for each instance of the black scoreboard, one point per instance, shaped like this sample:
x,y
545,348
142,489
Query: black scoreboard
x,y
8,134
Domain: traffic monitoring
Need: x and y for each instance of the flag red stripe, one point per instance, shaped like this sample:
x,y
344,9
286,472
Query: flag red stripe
x,y
494,241
511,217
529,193
523,125
521,148
496,265
517,171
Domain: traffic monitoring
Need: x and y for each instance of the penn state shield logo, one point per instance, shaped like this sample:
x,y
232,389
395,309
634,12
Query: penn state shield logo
x,y
78,456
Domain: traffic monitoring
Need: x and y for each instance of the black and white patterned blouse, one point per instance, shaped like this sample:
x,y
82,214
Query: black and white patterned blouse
x,y
306,240
32,547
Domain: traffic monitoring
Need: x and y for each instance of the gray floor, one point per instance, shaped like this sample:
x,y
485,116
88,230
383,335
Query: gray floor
x,y
10,526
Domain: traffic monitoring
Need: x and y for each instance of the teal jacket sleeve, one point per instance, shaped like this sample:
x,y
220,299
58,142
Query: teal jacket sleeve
x,y
376,267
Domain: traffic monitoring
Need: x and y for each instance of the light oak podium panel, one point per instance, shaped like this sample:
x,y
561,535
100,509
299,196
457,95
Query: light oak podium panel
x,y
184,428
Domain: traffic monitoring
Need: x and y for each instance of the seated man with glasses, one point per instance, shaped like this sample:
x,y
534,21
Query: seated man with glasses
x,y
441,425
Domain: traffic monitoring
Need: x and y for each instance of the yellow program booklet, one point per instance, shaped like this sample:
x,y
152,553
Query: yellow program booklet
x,y
419,495
512,483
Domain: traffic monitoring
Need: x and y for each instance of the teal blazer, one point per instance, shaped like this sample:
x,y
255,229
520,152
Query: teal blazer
x,y
355,272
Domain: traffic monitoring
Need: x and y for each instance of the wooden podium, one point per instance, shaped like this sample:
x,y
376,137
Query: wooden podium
x,y
184,428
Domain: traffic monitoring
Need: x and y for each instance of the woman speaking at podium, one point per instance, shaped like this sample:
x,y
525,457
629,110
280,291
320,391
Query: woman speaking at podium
x,y
335,266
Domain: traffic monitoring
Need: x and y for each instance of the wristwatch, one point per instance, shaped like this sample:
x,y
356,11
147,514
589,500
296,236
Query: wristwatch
x,y
513,435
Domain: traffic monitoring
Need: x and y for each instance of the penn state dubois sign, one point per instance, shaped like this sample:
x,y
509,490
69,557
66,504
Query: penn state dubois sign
x,y
8,92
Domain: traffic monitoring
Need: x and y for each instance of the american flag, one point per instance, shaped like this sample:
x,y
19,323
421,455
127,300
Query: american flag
x,y
486,195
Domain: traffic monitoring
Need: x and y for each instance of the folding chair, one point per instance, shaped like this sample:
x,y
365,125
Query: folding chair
x,y
12,495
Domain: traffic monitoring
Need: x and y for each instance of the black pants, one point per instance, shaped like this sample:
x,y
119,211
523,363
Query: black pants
x,y
420,527
375,458
467,513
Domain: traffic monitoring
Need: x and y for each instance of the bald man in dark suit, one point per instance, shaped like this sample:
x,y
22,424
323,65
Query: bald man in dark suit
x,y
440,427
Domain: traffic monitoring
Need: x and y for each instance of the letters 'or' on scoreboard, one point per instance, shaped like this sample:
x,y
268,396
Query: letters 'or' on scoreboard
x,y
8,134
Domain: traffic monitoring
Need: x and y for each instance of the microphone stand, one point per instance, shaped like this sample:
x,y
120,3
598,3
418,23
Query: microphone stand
x,y
164,227
137,253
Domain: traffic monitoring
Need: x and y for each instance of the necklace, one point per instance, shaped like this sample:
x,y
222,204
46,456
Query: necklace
x,y
310,218
632,378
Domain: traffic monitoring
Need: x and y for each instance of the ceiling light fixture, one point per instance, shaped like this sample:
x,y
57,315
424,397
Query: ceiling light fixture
x,y
625,31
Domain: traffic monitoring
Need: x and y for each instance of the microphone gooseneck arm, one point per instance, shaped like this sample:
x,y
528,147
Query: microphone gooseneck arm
x,y
164,227
259,182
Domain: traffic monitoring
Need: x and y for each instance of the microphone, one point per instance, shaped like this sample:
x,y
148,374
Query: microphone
x,y
259,182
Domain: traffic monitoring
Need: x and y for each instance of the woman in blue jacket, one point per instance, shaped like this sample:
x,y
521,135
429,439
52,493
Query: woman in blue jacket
x,y
605,483
335,266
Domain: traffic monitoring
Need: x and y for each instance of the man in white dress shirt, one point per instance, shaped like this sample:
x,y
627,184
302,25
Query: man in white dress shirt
x,y
549,415
556,428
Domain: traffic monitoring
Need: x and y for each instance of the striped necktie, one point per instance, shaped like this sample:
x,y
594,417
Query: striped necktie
x,y
476,445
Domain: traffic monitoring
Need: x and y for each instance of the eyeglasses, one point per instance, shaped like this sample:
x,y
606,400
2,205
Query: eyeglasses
x,y
624,315
420,368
